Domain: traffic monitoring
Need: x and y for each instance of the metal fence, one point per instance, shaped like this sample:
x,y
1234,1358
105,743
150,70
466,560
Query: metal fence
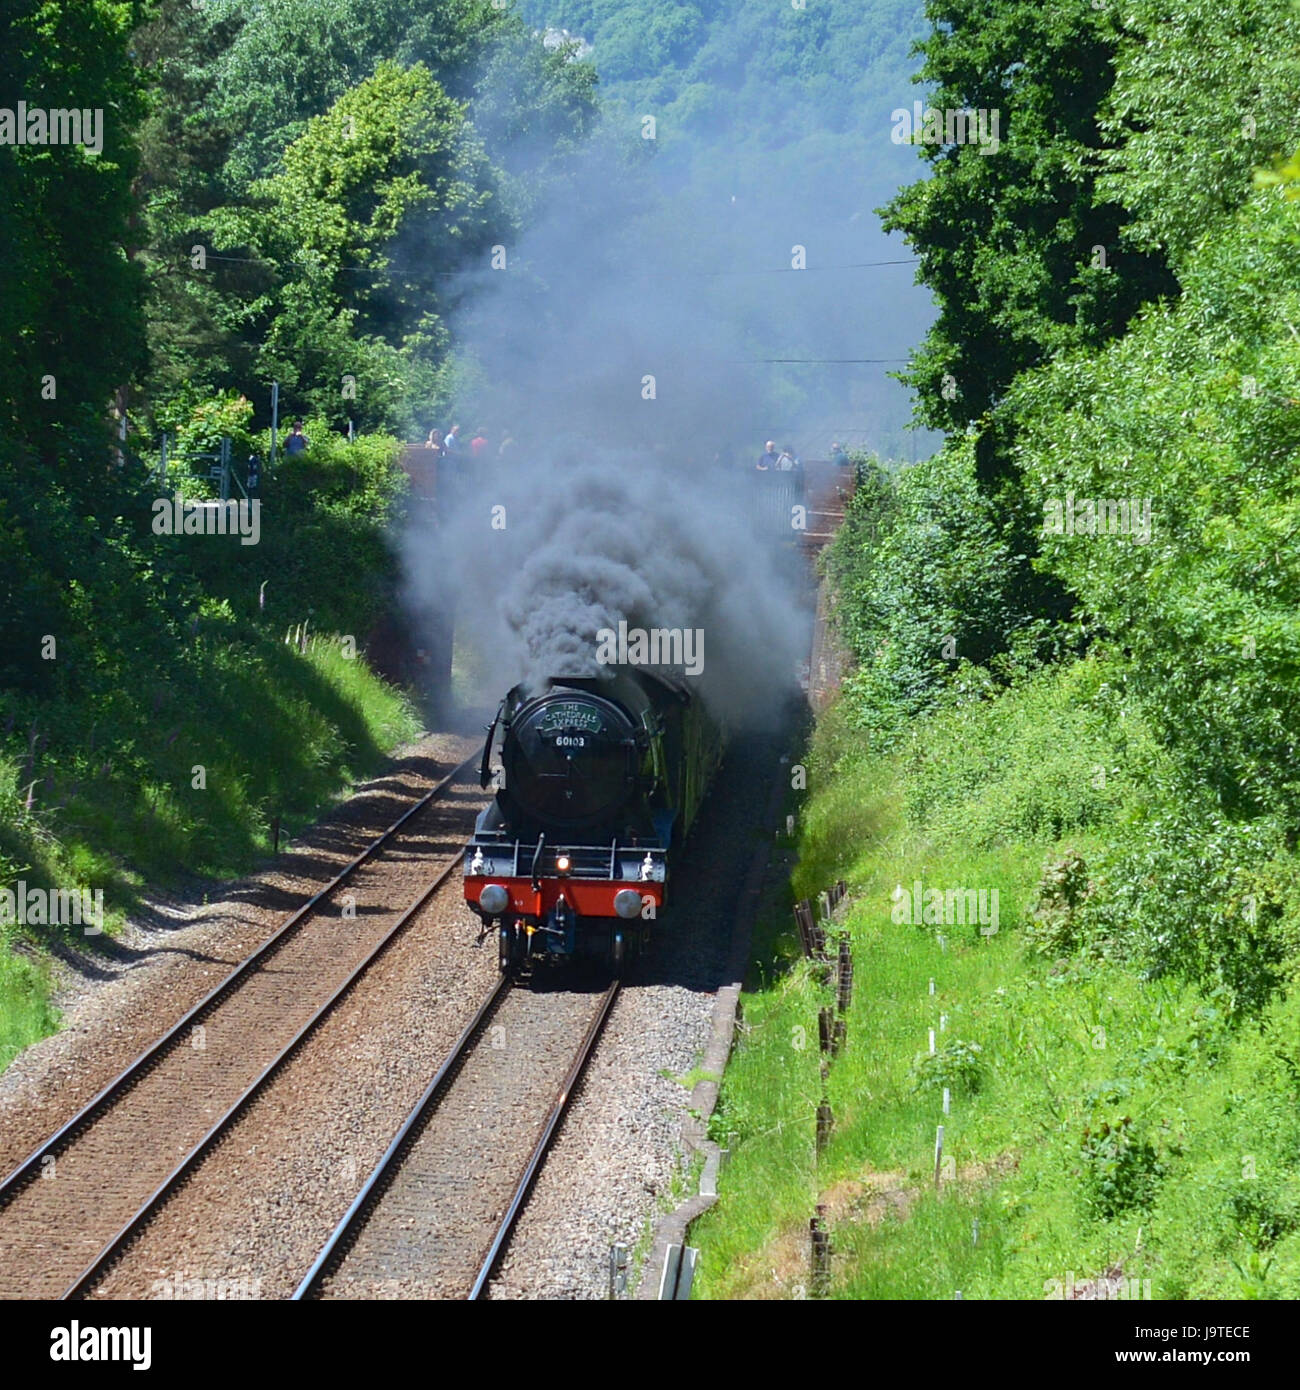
x,y
773,499
217,466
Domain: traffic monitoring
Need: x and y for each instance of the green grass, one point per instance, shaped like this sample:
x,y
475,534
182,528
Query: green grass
x,y
275,730
193,772
1113,1118
25,1012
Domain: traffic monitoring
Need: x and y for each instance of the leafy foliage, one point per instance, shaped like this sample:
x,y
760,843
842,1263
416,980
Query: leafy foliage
x,y
930,594
1120,1168
71,331
336,164
1180,152
957,1067
1194,413
1055,762
1061,891
375,199
1007,240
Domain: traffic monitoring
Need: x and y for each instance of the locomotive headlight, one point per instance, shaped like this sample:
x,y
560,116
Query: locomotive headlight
x,y
627,902
494,899
562,864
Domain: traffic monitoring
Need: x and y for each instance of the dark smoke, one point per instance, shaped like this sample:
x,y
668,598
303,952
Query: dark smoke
x,y
620,349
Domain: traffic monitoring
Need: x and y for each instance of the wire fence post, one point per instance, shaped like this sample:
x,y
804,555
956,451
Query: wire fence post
x,y
820,1241
825,1123
825,1028
617,1270
845,975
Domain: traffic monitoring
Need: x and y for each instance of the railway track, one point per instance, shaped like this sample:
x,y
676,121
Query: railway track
x,y
435,1215
78,1200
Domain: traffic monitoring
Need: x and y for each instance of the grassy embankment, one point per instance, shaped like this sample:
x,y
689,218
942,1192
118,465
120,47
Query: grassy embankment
x,y
195,723
1105,1119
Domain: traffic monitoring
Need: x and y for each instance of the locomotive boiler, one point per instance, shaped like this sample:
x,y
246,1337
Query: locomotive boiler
x,y
597,782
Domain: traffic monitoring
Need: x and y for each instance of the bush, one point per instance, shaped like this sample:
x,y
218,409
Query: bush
x,y
956,1067
1063,888
927,593
1182,888
1047,758
199,426
1120,1169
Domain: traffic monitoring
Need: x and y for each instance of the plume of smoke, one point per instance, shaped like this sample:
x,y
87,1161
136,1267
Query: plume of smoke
x,y
661,548
620,370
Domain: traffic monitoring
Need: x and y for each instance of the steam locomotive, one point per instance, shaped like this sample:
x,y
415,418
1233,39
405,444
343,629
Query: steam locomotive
x,y
598,779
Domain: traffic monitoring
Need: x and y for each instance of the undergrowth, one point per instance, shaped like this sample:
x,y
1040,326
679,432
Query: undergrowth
x,y
1121,1105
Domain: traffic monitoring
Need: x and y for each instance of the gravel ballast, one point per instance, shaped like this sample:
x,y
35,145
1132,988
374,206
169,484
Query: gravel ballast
x,y
253,1215
612,1169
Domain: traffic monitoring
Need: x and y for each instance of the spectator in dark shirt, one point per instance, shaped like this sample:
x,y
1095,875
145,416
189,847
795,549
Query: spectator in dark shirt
x,y
297,441
769,459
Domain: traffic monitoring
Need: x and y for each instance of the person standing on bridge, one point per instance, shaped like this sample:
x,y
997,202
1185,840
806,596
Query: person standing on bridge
x,y
769,459
788,462
451,444
434,442
297,442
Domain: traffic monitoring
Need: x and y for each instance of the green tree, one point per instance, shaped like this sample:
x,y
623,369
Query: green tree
x,y
237,88
377,200
194,323
71,330
286,61
1025,256
1196,415
1180,152
927,588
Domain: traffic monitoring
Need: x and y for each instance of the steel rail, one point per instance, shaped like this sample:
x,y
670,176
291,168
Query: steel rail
x,y
356,1215
538,1156
334,1252
97,1267
135,1070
